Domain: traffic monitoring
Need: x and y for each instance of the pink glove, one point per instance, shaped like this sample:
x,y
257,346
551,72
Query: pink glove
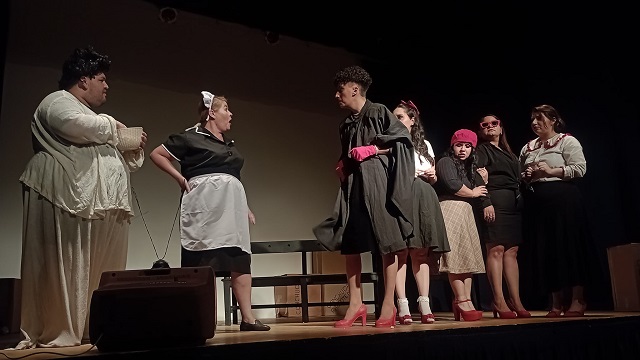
x,y
362,152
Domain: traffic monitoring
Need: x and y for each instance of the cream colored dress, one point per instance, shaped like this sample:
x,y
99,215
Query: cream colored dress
x,y
77,207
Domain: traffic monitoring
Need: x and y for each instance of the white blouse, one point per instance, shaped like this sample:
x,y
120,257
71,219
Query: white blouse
x,y
422,163
562,150
77,166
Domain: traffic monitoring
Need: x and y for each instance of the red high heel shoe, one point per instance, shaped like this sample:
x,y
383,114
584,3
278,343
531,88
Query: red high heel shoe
x,y
466,315
387,323
405,320
423,304
503,314
403,307
576,313
554,313
427,319
361,313
521,313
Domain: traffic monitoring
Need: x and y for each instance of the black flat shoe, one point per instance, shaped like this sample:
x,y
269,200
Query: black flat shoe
x,y
257,326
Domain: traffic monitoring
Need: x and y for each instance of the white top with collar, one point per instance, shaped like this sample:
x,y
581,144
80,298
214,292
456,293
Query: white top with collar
x,y
562,150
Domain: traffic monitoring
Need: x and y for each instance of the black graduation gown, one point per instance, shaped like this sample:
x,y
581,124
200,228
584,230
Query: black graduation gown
x,y
386,180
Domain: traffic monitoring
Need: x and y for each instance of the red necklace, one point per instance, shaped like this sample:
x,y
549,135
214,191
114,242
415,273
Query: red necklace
x,y
539,144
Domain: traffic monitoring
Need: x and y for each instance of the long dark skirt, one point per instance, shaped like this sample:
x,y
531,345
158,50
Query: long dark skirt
x,y
557,245
358,234
429,230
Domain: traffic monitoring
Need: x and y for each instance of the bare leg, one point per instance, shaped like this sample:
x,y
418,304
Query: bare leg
x,y
420,270
241,286
556,298
401,279
354,270
459,284
577,299
495,257
512,276
467,288
390,264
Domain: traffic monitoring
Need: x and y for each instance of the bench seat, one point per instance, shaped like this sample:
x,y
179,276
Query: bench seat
x,y
303,280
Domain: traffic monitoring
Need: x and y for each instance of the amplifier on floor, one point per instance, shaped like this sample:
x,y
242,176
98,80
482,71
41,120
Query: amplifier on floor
x,y
10,305
144,309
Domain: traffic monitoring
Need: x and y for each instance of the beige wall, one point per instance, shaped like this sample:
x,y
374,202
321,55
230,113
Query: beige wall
x,y
285,119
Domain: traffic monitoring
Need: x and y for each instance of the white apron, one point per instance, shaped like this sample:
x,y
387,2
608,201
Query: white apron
x,y
215,214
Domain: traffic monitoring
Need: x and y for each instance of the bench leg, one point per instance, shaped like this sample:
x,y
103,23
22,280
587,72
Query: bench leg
x,y
226,281
305,300
234,309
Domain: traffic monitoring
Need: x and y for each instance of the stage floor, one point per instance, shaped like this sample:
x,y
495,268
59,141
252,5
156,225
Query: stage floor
x,y
290,331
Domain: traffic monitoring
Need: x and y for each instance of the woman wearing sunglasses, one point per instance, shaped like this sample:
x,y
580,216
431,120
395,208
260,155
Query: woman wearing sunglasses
x,y
501,225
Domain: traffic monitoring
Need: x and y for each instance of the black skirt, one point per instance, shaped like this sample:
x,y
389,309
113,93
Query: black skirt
x,y
506,230
557,244
223,261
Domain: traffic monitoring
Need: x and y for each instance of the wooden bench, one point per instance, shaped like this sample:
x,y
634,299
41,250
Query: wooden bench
x,y
304,279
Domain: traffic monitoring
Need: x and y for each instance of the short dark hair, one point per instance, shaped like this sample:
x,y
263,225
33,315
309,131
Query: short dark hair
x,y
82,62
354,74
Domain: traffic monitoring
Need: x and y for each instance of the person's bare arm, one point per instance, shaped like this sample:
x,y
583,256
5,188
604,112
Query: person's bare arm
x,y
163,160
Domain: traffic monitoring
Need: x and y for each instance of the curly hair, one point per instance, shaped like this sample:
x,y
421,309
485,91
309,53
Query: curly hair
x,y
417,132
354,74
83,62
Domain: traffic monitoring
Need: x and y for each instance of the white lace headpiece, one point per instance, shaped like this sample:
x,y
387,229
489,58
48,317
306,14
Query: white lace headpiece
x,y
207,98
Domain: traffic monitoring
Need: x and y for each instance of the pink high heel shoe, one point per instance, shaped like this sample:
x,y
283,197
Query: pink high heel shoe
x,y
387,323
346,323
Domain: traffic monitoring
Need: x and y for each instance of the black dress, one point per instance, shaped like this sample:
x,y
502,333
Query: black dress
x,y
374,207
503,187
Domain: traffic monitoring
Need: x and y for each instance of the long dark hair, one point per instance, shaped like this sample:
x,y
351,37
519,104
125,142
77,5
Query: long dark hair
x,y
417,131
468,167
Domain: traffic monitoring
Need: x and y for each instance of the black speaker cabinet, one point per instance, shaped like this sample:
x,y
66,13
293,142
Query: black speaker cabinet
x,y
10,306
145,309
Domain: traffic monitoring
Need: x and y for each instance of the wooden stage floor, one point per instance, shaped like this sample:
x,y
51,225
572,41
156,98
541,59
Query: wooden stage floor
x,y
319,339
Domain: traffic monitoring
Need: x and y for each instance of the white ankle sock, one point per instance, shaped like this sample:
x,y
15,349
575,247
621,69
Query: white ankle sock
x,y
423,305
403,307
